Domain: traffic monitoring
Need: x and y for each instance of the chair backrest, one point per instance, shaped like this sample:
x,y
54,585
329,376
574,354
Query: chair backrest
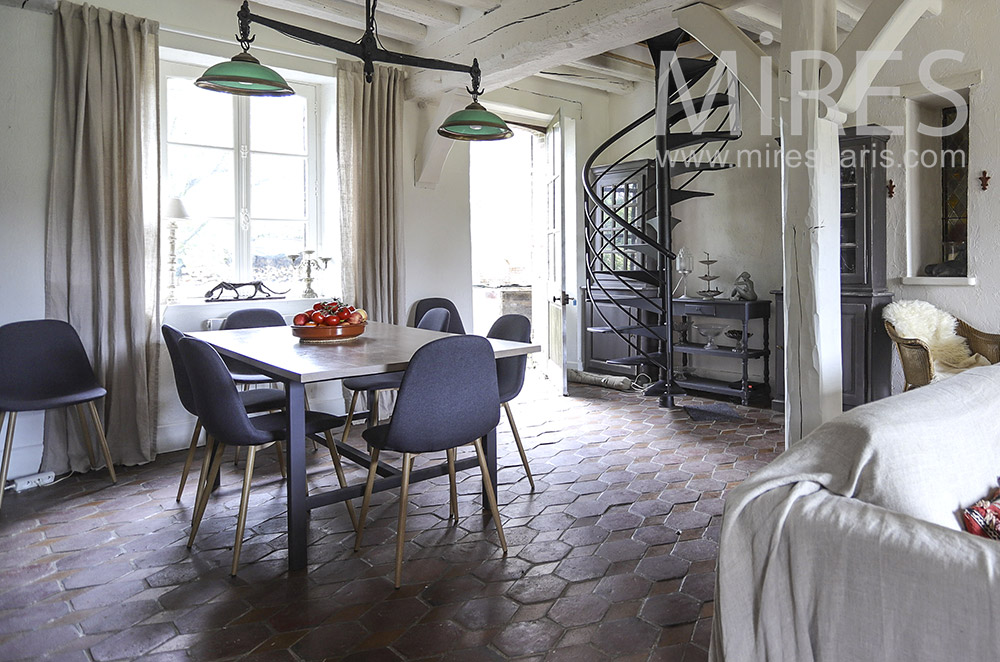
x,y
454,325
250,318
914,356
510,370
448,396
435,319
216,399
172,338
42,359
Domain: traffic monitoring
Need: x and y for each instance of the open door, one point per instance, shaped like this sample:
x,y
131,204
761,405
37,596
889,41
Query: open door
x,y
552,168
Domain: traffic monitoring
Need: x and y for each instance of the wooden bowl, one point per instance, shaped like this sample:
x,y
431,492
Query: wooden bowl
x,y
328,334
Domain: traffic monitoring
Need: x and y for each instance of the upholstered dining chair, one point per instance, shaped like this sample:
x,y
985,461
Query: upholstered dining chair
x,y
226,422
43,365
249,318
254,401
435,319
510,373
454,322
448,398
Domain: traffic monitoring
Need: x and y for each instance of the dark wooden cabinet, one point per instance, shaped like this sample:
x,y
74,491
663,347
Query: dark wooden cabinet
x,y
600,348
866,351
631,186
862,209
865,346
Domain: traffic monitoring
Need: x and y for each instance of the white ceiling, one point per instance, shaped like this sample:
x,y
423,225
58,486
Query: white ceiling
x,y
457,29
591,43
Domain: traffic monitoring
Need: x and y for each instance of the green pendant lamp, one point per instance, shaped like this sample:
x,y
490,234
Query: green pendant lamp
x,y
246,76
475,123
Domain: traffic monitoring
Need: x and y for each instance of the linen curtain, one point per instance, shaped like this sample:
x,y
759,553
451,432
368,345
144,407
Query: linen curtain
x,y
369,151
102,253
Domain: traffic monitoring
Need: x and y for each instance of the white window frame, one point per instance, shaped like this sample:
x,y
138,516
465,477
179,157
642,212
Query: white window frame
x,y
242,253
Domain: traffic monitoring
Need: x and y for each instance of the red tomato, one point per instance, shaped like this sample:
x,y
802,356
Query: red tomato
x,y
343,314
300,319
317,306
318,317
330,320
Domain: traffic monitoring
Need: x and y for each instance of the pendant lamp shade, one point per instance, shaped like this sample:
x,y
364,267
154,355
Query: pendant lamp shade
x,y
474,123
246,76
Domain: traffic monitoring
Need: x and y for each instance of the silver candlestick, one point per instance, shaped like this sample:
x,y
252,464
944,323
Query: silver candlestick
x,y
306,259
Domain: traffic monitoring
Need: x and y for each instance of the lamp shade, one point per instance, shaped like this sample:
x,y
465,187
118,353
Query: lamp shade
x,y
474,123
175,209
246,76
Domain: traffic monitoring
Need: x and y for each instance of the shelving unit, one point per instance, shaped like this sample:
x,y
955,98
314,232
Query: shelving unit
x,y
744,311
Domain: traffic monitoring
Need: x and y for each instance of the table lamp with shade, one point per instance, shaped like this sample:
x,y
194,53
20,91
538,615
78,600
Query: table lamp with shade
x,y
174,209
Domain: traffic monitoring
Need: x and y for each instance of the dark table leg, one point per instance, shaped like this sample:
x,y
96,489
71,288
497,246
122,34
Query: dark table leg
x,y
298,512
490,448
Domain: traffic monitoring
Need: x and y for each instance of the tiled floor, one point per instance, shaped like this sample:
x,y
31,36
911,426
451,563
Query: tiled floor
x,y
612,556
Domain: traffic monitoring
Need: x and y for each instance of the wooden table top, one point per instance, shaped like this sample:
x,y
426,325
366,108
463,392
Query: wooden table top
x,y
382,348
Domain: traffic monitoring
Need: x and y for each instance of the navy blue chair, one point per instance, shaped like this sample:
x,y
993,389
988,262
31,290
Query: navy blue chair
x,y
435,319
254,401
454,322
225,420
249,318
510,373
448,398
43,365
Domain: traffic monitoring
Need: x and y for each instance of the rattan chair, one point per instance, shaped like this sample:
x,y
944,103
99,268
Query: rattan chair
x,y
918,370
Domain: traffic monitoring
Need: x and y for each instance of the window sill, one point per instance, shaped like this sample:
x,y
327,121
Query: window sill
x,y
941,281
240,303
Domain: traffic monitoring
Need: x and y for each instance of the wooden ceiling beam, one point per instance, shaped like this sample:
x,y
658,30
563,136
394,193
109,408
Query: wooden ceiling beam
x,y
431,13
353,16
483,5
523,37
620,67
576,76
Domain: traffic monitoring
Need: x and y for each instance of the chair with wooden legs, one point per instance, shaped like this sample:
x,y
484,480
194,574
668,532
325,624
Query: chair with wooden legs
x,y
254,401
43,365
227,424
249,318
435,319
510,373
448,398
242,374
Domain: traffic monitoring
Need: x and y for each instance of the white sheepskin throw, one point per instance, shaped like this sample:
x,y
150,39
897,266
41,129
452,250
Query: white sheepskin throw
x,y
950,353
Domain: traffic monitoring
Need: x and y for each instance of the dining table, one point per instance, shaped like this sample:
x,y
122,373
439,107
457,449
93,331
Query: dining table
x,y
382,348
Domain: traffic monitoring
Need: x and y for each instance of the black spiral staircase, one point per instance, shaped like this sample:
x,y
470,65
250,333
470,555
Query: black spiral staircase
x,y
629,259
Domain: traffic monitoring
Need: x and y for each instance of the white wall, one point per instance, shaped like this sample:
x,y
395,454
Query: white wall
x,y
970,27
437,239
25,141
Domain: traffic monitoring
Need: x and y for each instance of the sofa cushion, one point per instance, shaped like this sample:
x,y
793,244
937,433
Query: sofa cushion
x,y
927,453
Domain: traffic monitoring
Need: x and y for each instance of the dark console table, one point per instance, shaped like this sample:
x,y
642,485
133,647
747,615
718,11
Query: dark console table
x,y
744,311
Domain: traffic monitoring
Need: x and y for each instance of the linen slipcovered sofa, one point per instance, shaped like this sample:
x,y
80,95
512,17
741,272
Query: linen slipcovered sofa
x,y
849,546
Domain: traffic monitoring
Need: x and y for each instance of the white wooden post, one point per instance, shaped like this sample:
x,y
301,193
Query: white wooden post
x,y
811,209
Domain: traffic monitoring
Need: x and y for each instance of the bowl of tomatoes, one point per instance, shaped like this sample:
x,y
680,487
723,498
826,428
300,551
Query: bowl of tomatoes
x,y
328,322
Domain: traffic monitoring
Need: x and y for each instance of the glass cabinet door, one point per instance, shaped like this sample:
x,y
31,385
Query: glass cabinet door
x,y
852,216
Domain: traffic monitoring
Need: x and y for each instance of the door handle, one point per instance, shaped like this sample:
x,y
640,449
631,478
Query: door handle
x,y
564,299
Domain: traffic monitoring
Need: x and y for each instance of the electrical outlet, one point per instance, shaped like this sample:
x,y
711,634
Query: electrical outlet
x,y
35,480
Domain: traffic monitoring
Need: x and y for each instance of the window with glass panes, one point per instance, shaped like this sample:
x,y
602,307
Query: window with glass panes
x,y
245,169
